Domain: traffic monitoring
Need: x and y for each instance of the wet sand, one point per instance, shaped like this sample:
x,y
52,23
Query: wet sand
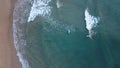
x,y
8,56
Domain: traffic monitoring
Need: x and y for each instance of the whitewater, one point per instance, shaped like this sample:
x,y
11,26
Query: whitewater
x,y
41,8
91,23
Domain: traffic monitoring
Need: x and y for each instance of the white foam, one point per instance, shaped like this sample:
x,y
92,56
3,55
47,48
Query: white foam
x,y
59,4
17,32
91,22
17,46
39,7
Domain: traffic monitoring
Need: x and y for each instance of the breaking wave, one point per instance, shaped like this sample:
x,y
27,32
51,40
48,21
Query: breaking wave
x,y
91,23
39,7
19,41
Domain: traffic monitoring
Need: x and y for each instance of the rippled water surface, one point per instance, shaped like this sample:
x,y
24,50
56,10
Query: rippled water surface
x,y
67,33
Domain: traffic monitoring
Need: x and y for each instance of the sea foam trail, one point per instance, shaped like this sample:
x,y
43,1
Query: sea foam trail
x,y
42,8
17,32
16,44
39,7
91,22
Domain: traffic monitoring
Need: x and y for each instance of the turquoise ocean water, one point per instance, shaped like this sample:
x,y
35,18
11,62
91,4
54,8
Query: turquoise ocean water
x,y
67,33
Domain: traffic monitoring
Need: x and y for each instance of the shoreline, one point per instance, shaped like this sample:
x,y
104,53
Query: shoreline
x,y
8,54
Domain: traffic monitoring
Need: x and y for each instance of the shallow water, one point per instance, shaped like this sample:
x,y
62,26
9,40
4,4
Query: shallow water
x,y
54,33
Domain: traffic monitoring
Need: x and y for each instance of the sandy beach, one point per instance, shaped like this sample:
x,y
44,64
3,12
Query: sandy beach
x,y
8,56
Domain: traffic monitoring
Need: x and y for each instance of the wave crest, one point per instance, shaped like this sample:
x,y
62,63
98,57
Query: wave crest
x,y
91,22
39,7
